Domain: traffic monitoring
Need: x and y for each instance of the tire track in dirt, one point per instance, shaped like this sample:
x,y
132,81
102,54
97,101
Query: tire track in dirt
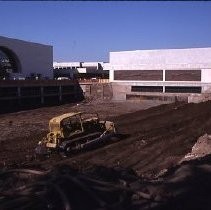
x,y
169,132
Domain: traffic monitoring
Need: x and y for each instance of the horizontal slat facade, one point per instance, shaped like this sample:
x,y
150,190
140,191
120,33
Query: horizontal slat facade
x,y
183,75
141,75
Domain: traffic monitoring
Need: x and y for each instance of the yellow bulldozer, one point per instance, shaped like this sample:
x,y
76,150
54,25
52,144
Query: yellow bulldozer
x,y
75,131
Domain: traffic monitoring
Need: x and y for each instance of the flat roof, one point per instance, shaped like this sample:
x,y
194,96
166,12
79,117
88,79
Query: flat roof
x,y
25,41
164,49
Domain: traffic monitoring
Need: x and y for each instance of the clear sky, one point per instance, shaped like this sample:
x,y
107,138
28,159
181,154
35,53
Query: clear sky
x,y
88,31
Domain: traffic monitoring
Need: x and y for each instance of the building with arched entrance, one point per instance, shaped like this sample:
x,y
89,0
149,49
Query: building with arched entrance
x,y
22,59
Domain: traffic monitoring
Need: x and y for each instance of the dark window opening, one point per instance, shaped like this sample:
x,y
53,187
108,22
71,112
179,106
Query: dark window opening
x,y
30,91
67,89
169,89
8,91
146,89
51,90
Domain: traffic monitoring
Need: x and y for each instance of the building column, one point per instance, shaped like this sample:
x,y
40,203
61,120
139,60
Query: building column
x,y
19,95
164,89
60,93
111,75
42,95
19,92
164,79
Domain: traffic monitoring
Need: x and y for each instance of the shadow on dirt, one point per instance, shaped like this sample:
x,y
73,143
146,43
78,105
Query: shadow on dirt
x,y
186,186
98,145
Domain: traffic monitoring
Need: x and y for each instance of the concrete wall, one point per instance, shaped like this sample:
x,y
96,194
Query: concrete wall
x,y
166,59
32,57
18,95
195,58
97,91
206,75
122,91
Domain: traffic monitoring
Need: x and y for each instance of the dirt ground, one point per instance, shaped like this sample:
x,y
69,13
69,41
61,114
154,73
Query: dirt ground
x,y
163,163
21,131
157,137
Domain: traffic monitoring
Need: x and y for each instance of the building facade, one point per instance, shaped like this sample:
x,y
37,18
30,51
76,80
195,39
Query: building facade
x,y
80,70
171,71
20,58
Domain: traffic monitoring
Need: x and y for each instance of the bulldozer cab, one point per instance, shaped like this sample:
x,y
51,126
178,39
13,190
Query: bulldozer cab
x,y
71,126
66,125
74,124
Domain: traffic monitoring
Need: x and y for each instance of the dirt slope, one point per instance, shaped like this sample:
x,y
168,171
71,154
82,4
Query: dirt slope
x,y
157,137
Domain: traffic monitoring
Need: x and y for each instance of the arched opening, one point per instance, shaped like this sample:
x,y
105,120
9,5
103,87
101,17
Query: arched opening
x,y
9,63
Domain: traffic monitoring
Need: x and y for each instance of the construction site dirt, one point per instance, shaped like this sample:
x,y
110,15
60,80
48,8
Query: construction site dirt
x,y
157,136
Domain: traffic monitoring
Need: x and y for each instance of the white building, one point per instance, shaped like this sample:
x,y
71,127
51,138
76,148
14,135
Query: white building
x,y
22,58
81,69
166,70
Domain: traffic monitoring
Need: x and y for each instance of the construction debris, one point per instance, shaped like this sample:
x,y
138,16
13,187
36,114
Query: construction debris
x,y
186,186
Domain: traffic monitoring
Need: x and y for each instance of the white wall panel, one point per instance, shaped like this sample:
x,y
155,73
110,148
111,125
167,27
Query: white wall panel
x,y
33,57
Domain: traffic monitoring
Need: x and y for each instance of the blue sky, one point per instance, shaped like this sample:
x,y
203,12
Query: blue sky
x,y
88,31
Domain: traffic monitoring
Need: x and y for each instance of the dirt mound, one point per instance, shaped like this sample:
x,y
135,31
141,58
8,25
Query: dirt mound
x,y
158,138
200,149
